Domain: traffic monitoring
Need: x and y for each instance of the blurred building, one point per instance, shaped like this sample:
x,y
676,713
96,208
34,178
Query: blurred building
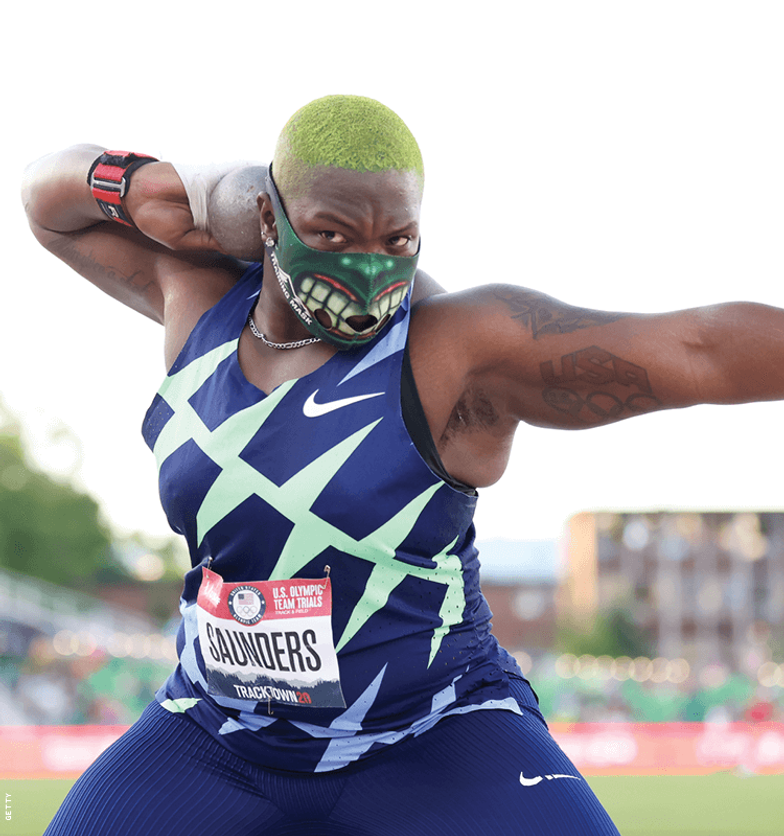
x,y
32,607
523,614
706,587
519,581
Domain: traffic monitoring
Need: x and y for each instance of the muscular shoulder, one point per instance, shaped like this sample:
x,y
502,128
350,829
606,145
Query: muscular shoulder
x,y
448,329
468,420
489,306
448,336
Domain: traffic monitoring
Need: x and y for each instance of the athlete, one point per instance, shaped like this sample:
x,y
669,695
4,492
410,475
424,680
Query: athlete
x,y
327,416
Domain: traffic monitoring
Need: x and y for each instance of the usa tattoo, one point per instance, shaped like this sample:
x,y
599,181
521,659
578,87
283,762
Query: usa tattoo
x,y
597,367
543,315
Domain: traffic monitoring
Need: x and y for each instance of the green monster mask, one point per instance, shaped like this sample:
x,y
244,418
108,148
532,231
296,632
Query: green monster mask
x,y
327,289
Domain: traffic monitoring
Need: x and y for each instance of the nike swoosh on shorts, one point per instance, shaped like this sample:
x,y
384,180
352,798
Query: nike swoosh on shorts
x,y
311,409
532,782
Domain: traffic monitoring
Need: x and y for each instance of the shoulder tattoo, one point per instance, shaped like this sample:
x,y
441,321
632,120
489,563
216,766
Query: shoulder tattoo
x,y
543,315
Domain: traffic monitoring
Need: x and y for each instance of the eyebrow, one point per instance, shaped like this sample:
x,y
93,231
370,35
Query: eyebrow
x,y
411,228
323,215
328,216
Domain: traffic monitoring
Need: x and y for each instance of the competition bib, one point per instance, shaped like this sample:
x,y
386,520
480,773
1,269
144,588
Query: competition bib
x,y
269,640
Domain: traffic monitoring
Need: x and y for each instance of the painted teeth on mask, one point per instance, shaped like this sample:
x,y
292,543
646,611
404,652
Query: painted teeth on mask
x,y
320,292
342,308
317,294
387,303
379,309
315,291
352,309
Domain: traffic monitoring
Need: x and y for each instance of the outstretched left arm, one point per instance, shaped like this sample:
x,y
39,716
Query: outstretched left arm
x,y
555,365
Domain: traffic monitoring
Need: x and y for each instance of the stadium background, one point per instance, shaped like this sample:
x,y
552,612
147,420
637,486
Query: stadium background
x,y
639,147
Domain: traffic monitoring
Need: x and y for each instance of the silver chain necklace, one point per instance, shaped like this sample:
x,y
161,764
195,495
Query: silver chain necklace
x,y
280,346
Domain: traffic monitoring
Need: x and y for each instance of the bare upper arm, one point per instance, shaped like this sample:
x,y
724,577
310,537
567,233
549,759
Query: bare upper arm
x,y
172,288
111,258
555,365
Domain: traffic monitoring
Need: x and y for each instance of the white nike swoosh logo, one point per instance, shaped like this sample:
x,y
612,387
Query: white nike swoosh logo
x,y
532,782
315,410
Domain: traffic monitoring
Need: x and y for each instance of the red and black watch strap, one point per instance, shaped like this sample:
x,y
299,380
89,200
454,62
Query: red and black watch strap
x,y
109,177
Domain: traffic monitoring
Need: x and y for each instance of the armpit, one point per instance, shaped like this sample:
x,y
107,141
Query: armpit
x,y
473,412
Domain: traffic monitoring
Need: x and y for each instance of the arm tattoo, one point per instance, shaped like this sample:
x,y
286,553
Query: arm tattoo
x,y
76,253
615,386
547,316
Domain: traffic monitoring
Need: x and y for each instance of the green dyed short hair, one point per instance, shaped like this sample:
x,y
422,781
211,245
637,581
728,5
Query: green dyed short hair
x,y
350,132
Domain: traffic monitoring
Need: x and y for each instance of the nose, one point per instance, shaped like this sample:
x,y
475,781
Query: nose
x,y
361,322
370,264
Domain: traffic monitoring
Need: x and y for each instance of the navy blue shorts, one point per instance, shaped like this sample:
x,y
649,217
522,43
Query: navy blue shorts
x,y
168,777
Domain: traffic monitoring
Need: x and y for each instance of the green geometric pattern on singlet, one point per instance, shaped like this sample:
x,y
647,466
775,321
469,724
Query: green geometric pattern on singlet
x,y
238,481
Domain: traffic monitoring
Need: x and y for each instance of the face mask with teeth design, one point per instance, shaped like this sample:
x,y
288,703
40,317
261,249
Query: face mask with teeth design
x,y
345,299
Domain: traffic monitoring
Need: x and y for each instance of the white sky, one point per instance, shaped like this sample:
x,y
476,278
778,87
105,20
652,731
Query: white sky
x,y
620,155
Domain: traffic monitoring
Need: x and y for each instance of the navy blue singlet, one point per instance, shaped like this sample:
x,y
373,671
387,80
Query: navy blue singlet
x,y
271,488
281,485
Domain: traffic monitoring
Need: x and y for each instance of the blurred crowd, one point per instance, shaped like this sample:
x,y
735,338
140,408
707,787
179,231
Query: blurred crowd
x,y
713,694
50,689
98,689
